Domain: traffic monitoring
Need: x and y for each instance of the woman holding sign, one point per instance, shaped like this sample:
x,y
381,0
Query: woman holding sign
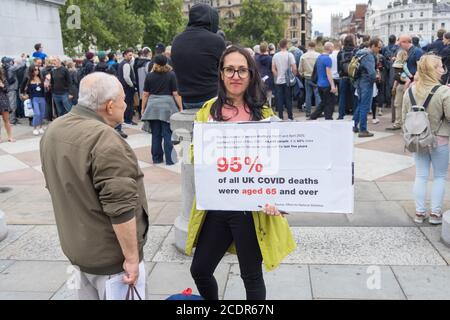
x,y
256,237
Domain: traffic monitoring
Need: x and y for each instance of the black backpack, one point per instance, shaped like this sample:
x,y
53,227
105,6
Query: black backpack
x,y
10,76
345,62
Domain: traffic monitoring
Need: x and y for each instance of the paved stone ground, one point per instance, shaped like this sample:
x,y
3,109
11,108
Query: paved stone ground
x,y
338,256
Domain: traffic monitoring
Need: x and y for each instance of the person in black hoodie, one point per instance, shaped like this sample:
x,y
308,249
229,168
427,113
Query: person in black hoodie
x,y
196,54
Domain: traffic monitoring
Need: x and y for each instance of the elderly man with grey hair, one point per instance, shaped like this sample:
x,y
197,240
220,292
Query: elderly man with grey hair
x,y
97,189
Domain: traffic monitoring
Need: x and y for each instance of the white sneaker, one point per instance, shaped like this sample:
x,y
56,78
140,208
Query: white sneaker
x,y
375,121
41,131
420,217
380,114
435,218
36,132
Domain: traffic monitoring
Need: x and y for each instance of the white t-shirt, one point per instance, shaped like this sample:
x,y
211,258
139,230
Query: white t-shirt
x,y
282,61
334,66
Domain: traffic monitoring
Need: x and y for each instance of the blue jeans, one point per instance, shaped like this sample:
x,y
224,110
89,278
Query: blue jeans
x,y
365,97
347,99
310,89
283,98
161,130
62,103
38,111
438,158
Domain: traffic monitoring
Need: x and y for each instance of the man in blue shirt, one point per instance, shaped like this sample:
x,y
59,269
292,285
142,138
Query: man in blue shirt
x,y
39,54
325,84
438,44
365,80
414,53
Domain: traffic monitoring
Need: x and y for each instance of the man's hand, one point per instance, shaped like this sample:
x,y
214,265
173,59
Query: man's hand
x,y
131,272
333,89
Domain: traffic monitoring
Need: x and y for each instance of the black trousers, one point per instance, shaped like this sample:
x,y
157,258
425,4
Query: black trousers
x,y
326,104
129,100
219,230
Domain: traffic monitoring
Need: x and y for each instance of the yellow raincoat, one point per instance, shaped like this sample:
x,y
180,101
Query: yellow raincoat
x,y
274,235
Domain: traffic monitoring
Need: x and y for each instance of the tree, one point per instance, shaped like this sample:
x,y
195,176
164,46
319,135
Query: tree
x,y
162,22
260,20
105,24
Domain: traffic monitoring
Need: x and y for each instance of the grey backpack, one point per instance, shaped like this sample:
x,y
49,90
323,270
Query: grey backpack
x,y
417,131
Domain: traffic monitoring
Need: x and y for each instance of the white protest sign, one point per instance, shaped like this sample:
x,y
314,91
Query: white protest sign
x,y
296,166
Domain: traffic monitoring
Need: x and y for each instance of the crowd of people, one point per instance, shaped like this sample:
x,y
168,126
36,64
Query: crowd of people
x,y
200,70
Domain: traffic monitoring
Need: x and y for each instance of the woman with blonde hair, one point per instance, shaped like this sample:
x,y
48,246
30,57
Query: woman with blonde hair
x,y
427,86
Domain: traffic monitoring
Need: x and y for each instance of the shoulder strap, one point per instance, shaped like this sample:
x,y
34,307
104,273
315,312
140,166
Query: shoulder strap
x,y
430,96
363,56
411,97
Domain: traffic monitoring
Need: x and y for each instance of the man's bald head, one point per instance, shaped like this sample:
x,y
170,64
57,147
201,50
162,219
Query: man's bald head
x,y
98,88
405,41
328,47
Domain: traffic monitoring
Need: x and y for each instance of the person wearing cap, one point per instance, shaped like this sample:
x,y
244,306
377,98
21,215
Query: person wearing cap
x,y
159,102
272,49
102,65
10,68
112,63
160,48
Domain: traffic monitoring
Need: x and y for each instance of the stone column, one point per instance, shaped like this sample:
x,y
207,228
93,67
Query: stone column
x,y
446,228
182,125
3,229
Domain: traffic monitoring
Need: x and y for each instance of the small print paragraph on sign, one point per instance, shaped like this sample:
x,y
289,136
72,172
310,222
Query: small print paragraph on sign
x,y
297,166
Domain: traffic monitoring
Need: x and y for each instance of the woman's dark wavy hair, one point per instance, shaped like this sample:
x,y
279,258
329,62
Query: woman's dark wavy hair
x,y
30,73
254,96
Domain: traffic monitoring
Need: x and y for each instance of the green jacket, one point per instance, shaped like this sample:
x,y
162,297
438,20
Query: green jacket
x,y
94,182
274,235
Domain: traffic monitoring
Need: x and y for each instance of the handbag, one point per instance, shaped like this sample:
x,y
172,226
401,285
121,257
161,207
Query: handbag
x,y
291,79
23,97
28,108
130,293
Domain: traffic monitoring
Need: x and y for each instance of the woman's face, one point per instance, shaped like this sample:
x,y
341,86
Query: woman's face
x,y
235,74
36,72
440,68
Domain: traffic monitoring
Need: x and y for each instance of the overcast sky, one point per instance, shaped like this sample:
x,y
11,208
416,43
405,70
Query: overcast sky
x,y
322,10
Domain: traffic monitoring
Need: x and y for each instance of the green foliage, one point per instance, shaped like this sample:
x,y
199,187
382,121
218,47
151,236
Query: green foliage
x,y
119,24
260,20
